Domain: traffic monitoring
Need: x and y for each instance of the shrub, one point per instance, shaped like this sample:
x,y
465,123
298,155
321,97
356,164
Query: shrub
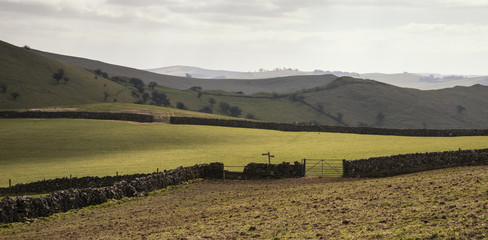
x,y
206,109
159,99
58,75
14,95
235,111
181,105
3,86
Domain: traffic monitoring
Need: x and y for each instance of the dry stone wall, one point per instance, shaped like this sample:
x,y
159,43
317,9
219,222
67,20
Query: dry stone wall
x,y
282,170
51,185
292,127
416,162
25,208
135,117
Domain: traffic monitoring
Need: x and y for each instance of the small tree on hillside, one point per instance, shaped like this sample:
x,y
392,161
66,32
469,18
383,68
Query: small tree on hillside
x,y
145,96
235,111
3,86
58,75
224,107
460,109
339,116
380,117
160,99
250,116
138,84
211,101
181,105
14,95
66,79
206,109
152,85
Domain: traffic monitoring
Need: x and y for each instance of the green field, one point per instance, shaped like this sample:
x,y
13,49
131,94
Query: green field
x,y
34,149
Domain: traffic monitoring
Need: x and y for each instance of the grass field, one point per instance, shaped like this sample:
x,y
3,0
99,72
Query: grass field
x,y
34,149
440,204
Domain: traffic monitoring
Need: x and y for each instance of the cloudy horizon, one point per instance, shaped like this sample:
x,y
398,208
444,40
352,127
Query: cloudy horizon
x,y
430,36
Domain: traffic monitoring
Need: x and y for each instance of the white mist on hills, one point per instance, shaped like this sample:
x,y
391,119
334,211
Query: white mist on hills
x,y
423,81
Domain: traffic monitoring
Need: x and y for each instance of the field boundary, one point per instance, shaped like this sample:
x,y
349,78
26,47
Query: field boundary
x,y
415,162
295,127
134,117
25,208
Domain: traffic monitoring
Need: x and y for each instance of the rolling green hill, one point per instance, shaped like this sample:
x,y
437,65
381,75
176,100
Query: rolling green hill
x,y
337,101
30,75
362,102
276,85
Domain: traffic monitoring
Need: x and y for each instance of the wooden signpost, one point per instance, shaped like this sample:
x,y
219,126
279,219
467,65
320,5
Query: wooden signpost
x,y
269,157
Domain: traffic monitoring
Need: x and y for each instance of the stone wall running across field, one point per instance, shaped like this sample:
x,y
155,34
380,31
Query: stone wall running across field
x,y
416,162
282,170
292,127
134,117
24,208
51,185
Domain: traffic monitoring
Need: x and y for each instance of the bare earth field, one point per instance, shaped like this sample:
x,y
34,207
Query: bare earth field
x,y
448,203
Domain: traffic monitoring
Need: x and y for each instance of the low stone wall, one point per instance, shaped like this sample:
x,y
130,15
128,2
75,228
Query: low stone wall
x,y
51,185
24,208
282,170
416,162
324,128
134,117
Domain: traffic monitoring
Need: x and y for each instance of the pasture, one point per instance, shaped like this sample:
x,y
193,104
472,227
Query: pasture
x,y
36,149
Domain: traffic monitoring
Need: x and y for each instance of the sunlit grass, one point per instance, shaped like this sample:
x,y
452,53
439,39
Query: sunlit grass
x,y
37,149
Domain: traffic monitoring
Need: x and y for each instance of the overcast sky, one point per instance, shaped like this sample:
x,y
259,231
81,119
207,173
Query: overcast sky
x,y
441,36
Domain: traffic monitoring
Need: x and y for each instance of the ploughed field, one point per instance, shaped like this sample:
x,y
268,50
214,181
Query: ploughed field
x,y
36,149
446,203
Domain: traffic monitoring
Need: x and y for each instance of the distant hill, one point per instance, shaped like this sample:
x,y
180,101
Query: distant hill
x,y
197,72
182,71
30,75
370,103
407,80
425,82
276,85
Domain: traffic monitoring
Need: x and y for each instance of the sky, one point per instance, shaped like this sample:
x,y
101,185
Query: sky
x,y
388,36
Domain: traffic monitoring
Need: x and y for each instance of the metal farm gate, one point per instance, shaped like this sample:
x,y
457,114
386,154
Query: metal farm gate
x,y
323,167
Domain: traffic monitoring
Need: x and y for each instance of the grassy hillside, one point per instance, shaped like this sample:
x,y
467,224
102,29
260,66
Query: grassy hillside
x,y
31,76
277,85
34,149
325,100
360,102
441,204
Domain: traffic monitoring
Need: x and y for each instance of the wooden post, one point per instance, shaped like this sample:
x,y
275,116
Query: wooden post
x,y
322,168
117,175
269,156
157,170
304,166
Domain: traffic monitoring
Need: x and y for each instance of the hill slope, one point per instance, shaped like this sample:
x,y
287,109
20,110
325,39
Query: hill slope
x,y
411,80
31,76
365,102
276,85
